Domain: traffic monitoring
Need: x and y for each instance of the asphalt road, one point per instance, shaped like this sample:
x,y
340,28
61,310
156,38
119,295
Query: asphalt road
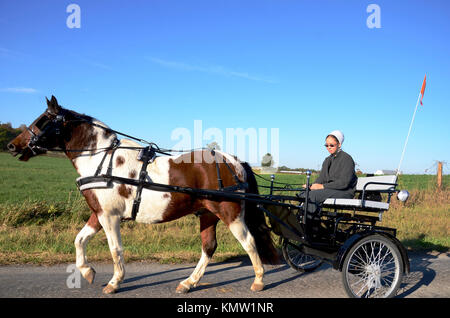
x,y
429,278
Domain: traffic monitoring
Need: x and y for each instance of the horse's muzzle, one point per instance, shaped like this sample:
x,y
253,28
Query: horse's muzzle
x,y
12,149
26,153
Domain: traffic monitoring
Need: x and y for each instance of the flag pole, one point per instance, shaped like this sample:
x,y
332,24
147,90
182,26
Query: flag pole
x,y
407,137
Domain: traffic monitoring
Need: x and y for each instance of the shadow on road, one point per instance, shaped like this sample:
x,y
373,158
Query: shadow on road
x,y
215,269
420,275
141,277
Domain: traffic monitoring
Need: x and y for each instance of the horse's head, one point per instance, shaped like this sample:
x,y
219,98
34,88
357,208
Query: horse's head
x,y
44,133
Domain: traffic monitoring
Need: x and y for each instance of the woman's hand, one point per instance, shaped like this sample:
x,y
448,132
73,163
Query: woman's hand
x,y
316,186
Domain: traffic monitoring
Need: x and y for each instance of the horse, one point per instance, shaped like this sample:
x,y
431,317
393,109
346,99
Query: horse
x,y
87,142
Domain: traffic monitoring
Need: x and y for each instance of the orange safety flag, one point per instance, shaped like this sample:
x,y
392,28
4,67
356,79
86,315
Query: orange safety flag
x,y
422,91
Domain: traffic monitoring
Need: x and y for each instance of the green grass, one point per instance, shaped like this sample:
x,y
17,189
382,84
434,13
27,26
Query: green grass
x,y
41,211
44,178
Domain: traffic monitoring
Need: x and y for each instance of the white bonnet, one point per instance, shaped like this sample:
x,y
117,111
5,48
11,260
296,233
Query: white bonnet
x,y
338,134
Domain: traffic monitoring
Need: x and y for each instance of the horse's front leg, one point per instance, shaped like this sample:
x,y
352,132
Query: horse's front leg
x,y
92,226
111,226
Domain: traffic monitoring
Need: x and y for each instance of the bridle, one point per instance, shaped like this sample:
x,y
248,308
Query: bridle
x,y
45,125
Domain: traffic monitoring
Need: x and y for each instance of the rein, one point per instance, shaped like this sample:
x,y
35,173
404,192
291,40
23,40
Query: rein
x,y
61,119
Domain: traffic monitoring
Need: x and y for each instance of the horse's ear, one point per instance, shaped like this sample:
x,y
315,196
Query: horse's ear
x,y
53,106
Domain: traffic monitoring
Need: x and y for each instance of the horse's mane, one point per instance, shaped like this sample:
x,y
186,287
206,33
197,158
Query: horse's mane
x,y
85,117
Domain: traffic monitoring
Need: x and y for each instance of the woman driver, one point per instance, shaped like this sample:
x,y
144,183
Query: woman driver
x,y
337,178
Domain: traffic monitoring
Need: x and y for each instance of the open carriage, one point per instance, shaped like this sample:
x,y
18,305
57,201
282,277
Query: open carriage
x,y
344,233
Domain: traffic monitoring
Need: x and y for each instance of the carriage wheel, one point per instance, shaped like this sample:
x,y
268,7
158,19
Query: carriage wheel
x,y
298,260
373,268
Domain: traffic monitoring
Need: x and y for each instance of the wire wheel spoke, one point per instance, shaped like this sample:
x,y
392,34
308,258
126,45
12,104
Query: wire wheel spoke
x,y
297,259
301,259
372,269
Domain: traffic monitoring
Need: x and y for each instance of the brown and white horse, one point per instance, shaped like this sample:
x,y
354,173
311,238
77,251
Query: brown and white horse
x,y
71,132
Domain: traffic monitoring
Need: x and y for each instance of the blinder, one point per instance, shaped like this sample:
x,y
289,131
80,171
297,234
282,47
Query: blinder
x,y
48,125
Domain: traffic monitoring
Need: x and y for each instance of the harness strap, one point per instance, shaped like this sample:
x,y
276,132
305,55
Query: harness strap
x,y
232,172
93,182
239,183
113,147
219,180
148,153
97,181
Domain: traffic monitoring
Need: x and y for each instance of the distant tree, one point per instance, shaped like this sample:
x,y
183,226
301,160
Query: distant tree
x,y
7,133
302,170
213,145
267,160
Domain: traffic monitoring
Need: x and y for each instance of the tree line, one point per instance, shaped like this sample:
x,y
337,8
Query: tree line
x,y
8,133
303,170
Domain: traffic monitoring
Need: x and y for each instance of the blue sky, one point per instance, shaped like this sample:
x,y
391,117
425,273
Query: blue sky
x,y
304,67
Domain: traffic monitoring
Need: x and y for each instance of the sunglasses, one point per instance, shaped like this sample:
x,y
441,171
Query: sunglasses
x,y
330,146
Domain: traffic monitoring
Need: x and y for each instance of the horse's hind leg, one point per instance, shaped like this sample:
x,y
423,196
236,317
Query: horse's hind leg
x,y
92,226
208,222
242,234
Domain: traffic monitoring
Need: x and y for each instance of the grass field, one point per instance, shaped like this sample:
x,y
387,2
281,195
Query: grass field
x,y
41,211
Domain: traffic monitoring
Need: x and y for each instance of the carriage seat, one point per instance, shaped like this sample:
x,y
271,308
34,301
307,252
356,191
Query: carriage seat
x,y
366,189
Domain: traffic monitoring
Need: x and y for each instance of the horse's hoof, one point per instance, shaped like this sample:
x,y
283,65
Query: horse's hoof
x,y
109,289
257,287
182,289
90,275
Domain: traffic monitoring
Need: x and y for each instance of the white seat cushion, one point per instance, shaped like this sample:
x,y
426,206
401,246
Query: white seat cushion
x,y
362,181
356,203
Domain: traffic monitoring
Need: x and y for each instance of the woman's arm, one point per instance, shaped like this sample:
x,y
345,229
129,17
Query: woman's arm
x,y
343,175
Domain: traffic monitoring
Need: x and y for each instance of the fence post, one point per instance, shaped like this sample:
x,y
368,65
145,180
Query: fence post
x,y
439,175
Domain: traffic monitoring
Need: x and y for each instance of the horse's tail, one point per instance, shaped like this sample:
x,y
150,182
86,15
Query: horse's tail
x,y
256,223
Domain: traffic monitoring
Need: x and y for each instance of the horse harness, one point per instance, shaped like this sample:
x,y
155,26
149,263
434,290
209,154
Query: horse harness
x,y
147,155
54,122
